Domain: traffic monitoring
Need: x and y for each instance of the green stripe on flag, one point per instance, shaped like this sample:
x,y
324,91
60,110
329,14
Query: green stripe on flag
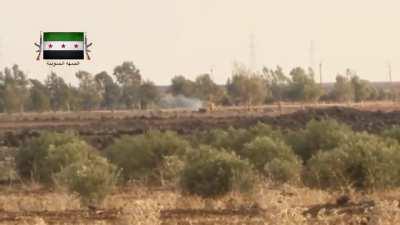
x,y
63,36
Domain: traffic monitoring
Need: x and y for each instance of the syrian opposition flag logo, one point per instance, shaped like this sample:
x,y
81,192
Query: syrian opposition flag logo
x,y
63,46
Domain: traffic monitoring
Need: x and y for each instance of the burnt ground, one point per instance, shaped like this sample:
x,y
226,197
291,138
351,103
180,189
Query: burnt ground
x,y
102,130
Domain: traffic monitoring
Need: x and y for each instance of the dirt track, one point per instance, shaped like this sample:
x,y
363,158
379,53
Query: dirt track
x,y
103,129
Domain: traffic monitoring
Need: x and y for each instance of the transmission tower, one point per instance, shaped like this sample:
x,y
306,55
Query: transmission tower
x,y
252,52
312,56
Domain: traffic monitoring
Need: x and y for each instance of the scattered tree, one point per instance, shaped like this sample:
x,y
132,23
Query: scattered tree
x,y
149,94
342,90
362,89
245,87
303,87
39,97
88,89
182,86
130,79
59,92
109,90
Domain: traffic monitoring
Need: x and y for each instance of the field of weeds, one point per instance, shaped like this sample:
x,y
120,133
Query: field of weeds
x,y
140,205
315,166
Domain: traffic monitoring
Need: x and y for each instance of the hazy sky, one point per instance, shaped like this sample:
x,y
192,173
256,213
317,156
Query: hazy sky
x,y
189,37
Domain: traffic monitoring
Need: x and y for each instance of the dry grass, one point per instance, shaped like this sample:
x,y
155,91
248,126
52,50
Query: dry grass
x,y
220,111
140,205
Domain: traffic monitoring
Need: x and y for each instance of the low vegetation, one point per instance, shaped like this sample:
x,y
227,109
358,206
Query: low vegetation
x,y
92,179
318,136
144,157
273,158
63,158
211,173
49,154
365,162
210,164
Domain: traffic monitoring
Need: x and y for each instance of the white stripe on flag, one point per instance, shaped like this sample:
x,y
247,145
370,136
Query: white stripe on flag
x,y
63,45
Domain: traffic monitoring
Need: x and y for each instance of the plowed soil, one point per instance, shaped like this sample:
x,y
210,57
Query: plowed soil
x,y
101,129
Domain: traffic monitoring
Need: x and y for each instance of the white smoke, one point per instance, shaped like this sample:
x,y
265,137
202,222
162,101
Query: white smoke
x,y
180,101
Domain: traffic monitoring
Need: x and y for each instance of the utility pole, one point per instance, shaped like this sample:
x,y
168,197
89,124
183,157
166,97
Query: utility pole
x,y
391,81
212,71
348,74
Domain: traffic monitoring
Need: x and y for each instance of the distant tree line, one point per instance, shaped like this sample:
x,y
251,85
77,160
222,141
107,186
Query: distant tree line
x,y
245,87
125,88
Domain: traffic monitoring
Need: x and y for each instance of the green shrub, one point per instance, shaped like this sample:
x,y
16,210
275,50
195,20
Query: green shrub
x,y
393,133
210,173
142,157
92,179
217,138
364,162
283,170
47,154
273,158
262,129
172,167
318,135
8,170
234,139
230,139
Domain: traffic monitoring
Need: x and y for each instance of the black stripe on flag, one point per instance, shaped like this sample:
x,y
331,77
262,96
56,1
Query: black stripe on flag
x,y
63,54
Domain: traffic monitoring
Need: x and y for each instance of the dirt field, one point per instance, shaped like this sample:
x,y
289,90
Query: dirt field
x,y
99,128
139,205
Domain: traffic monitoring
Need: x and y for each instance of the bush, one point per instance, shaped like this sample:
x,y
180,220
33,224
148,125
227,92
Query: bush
x,y
212,173
172,167
365,162
235,139
217,138
393,133
230,139
48,154
262,129
93,179
318,135
283,170
8,170
142,157
273,158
